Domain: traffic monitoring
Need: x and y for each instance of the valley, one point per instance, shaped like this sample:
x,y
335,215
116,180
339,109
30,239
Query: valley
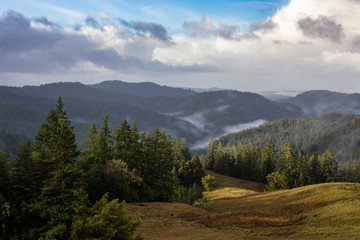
x,y
180,112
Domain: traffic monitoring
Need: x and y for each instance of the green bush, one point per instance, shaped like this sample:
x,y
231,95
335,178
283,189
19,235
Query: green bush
x,y
208,182
275,181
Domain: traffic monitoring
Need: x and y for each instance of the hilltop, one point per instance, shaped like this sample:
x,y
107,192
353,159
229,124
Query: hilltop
x,y
323,211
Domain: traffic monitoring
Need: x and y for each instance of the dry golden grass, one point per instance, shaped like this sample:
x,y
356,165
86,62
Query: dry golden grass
x,y
323,211
228,187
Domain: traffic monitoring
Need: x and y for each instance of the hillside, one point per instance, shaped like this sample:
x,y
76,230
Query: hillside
x,y
319,102
336,132
143,89
323,211
180,112
10,142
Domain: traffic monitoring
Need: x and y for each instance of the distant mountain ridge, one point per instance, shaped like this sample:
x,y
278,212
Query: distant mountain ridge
x,y
143,89
180,112
321,101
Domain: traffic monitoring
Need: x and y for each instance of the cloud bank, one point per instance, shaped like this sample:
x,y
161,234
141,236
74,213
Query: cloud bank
x,y
40,46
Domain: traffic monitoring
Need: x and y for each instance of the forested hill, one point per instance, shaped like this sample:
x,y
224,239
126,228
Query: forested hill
x,y
143,89
180,112
337,132
319,102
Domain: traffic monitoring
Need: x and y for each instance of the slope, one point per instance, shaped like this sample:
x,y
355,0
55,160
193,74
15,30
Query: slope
x,y
10,143
324,211
22,113
320,102
336,132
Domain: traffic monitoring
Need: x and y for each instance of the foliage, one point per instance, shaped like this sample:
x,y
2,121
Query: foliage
x,y
188,195
105,220
208,182
313,135
43,190
275,181
247,162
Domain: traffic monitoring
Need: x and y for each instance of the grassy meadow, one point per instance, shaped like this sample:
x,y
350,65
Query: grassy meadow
x,y
239,209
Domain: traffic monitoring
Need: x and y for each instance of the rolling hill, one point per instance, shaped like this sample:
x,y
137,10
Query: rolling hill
x,y
323,211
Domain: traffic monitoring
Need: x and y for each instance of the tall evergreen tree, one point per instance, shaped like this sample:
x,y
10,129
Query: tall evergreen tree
x,y
62,195
210,155
230,160
329,166
219,165
268,159
314,169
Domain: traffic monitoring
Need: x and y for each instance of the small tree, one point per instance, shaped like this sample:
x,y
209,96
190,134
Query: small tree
x,y
275,181
106,220
208,182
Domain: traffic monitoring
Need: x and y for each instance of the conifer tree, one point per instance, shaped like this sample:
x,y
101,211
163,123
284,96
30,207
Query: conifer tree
x,y
210,155
314,169
219,165
268,159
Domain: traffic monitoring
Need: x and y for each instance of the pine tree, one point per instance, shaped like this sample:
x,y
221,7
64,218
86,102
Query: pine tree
x,y
249,161
62,195
230,160
210,155
122,142
219,165
288,166
88,156
102,147
56,139
239,160
329,166
268,159
314,169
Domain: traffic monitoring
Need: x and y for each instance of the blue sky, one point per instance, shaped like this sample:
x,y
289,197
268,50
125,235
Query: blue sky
x,y
169,13
273,45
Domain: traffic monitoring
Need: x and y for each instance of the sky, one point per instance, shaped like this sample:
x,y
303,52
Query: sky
x,y
268,45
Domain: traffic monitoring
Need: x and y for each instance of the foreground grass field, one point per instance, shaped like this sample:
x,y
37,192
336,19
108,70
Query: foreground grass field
x,y
323,211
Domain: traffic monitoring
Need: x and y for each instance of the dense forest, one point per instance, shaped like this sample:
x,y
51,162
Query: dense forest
x,y
280,168
52,190
337,132
180,112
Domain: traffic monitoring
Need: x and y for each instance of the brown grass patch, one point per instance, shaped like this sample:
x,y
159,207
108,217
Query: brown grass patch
x,y
323,211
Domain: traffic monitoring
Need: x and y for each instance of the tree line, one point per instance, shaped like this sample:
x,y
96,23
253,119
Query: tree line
x,y
52,190
335,131
291,165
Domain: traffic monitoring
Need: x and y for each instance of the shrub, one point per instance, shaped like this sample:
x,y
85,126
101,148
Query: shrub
x,y
208,182
275,181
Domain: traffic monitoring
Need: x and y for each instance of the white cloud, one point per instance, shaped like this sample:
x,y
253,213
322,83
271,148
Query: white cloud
x,y
284,56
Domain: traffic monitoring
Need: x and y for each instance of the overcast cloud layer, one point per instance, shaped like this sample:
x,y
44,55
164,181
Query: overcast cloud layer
x,y
307,44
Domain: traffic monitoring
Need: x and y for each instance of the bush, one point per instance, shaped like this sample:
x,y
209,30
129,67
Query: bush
x,y
106,220
275,181
187,195
208,182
